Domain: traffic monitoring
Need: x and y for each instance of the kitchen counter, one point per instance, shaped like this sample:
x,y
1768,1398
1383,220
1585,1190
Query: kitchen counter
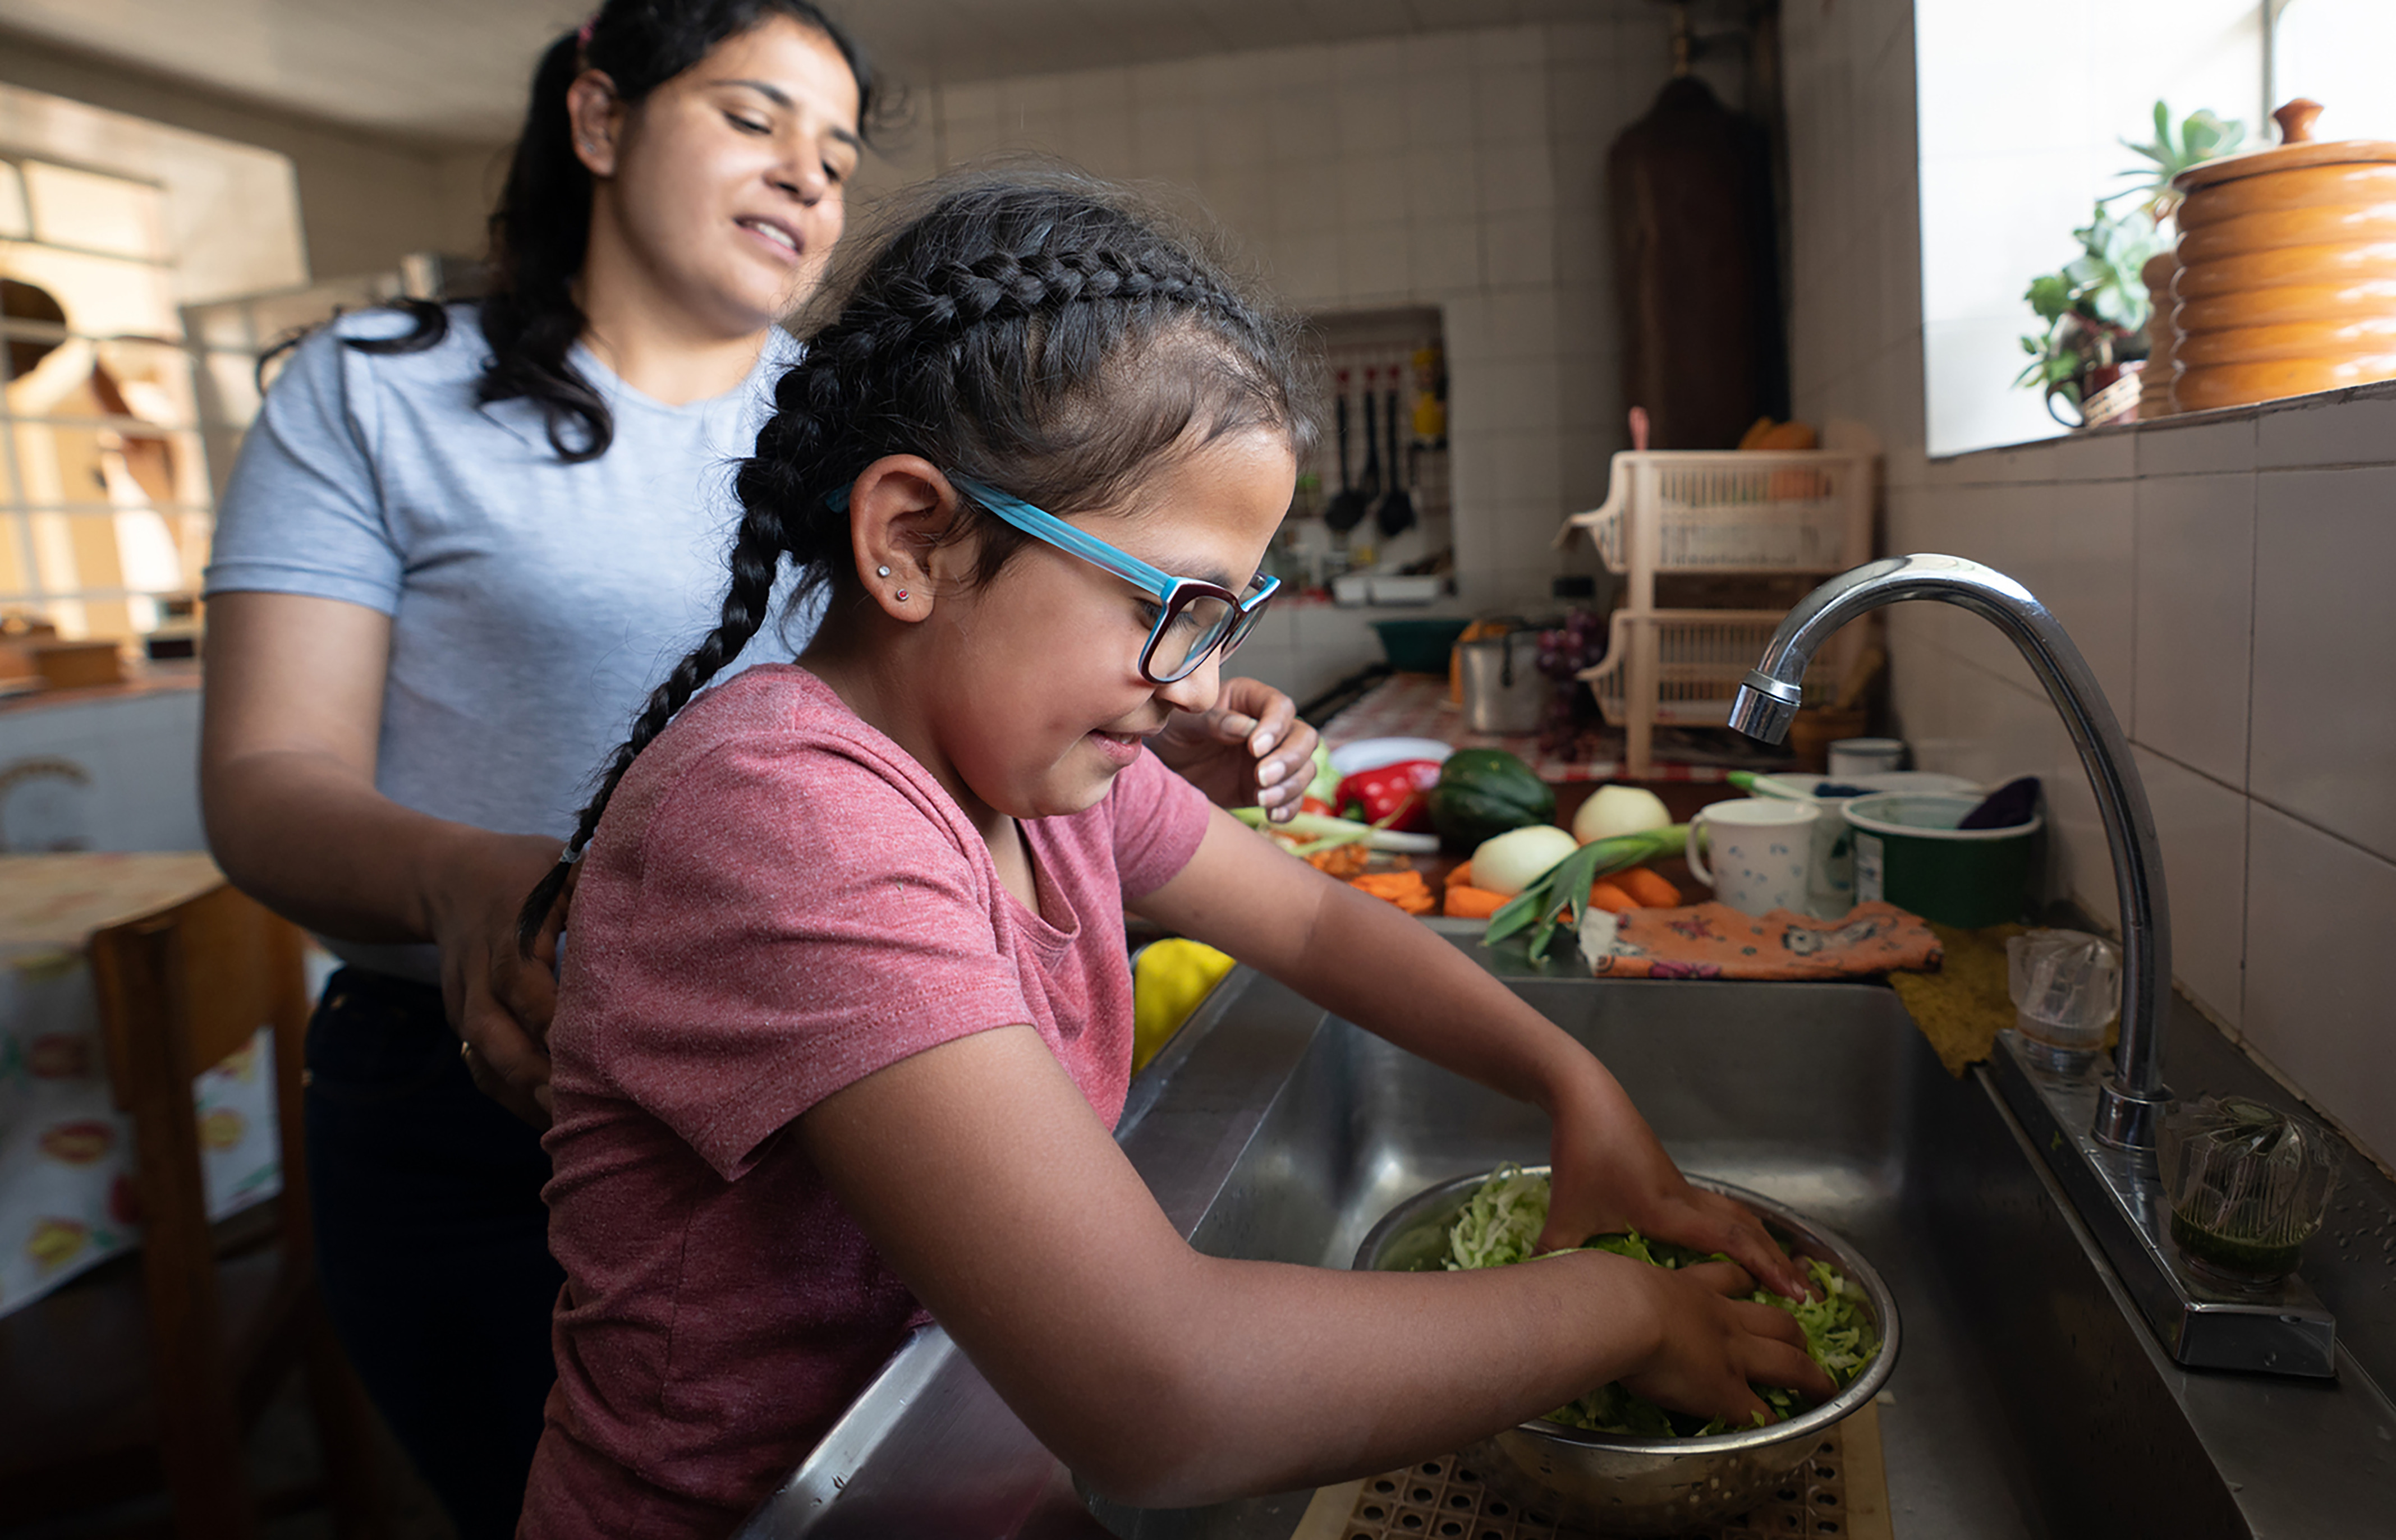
x,y
1408,705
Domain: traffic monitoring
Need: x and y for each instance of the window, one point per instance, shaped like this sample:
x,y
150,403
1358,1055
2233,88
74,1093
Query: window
x,y
104,497
2023,109
2336,52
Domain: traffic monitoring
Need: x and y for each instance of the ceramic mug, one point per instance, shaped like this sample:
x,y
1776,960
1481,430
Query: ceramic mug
x,y
1762,852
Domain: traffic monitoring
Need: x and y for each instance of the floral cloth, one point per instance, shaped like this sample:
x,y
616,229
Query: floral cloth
x,y
67,1197
1717,941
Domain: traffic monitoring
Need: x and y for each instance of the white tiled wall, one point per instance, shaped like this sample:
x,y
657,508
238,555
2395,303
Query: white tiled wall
x,y
2225,578
1458,169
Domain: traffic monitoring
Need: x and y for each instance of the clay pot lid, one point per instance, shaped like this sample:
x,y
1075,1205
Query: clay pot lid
x,y
2296,148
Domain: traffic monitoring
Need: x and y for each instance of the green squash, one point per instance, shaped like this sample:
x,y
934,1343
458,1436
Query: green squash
x,y
1484,793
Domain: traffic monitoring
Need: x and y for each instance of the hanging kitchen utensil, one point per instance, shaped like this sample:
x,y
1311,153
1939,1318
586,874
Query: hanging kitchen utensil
x,y
1369,483
1347,511
1395,511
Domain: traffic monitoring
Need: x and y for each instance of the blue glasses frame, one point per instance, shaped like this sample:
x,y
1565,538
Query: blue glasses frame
x,y
1173,594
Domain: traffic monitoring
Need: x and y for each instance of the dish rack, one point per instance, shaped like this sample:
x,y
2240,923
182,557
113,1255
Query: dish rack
x,y
1731,510
1692,659
1718,512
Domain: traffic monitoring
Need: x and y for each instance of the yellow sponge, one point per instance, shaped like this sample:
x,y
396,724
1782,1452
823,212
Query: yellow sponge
x,y
1170,978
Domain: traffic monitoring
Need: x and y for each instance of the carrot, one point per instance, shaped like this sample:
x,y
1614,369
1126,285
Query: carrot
x,y
1653,892
1459,876
1612,899
1467,902
1344,860
1405,889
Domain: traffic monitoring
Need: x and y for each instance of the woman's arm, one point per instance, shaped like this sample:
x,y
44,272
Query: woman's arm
x,y
1370,962
1167,1377
292,716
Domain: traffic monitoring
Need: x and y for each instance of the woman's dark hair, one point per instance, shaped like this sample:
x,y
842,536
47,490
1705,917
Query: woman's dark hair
x,y
542,226
1035,331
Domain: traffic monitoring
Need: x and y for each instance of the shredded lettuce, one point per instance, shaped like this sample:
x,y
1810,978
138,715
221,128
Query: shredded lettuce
x,y
1500,1226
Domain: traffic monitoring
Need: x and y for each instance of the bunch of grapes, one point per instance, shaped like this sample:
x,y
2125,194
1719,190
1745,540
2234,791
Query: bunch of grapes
x,y
1574,645
1563,653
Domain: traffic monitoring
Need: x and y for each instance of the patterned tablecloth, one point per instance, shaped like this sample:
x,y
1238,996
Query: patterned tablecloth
x,y
66,1154
1417,706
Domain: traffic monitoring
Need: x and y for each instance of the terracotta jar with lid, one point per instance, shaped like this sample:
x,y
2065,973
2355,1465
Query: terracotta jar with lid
x,y
2288,268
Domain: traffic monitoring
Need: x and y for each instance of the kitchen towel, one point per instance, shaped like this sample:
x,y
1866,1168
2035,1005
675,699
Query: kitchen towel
x,y
1716,941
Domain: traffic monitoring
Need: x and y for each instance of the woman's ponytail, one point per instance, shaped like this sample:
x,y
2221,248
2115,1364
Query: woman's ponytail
x,y
540,234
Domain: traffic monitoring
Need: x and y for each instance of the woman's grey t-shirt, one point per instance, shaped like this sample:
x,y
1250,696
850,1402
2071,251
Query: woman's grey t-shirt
x,y
534,603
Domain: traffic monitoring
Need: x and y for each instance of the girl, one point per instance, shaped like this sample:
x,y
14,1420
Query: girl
x,y
845,1020
452,559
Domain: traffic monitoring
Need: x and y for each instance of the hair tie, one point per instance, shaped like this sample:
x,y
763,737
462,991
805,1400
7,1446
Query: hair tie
x,y
582,33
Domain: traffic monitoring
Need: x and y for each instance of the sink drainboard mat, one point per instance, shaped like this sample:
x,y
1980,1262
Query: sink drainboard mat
x,y
1841,1494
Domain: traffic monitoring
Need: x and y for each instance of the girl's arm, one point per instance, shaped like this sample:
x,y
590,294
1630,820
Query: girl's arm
x,y
1371,964
1167,1377
290,723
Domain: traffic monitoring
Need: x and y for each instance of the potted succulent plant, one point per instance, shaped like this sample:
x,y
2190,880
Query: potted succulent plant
x,y
2094,313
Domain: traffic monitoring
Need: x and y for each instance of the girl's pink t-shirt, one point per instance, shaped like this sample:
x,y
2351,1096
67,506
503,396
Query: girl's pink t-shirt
x,y
779,903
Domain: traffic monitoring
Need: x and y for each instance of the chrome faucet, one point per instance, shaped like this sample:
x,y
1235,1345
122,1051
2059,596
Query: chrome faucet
x,y
2130,1101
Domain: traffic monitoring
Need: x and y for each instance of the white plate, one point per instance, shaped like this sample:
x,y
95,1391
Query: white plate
x,y
1372,754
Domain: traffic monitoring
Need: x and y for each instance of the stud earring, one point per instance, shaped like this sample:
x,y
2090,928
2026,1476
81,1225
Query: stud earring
x,y
903,596
882,572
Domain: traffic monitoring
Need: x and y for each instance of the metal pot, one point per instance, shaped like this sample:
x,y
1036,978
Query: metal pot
x,y
1504,691
1645,1486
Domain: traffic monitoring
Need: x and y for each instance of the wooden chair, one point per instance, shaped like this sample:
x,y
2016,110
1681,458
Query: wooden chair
x,y
147,1375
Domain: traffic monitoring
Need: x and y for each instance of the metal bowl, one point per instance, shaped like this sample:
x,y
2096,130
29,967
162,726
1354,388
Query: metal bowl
x,y
1645,1486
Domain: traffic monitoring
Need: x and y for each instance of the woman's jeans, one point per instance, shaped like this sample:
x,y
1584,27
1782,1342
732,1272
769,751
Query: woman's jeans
x,y
433,1243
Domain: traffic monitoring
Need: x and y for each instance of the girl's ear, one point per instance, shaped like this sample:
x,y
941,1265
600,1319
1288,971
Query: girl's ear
x,y
897,510
596,118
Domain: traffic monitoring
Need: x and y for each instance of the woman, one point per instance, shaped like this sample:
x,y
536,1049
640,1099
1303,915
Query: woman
x,y
451,561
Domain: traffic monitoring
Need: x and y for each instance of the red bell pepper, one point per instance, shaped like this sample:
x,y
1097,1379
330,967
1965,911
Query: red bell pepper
x,y
1391,796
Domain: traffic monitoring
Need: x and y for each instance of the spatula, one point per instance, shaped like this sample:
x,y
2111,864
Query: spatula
x,y
1347,511
1395,511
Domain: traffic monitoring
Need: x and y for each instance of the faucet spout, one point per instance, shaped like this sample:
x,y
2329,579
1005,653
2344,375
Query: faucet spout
x,y
2130,1102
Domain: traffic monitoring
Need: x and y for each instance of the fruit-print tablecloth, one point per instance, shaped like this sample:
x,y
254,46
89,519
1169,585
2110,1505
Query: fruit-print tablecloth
x,y
66,1154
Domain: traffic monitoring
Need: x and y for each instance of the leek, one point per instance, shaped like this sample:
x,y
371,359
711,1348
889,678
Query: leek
x,y
1561,890
1322,832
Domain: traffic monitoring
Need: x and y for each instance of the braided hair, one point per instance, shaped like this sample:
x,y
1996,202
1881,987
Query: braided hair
x,y
1035,330
541,228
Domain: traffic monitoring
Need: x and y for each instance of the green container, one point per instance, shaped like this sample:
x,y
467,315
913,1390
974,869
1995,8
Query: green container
x,y
1909,852
1420,647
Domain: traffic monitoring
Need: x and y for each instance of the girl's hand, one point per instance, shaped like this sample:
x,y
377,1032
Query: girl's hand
x,y
1249,750
499,1001
1611,1175
1711,1344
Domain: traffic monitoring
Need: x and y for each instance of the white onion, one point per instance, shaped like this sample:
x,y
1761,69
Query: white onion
x,y
1513,860
1613,810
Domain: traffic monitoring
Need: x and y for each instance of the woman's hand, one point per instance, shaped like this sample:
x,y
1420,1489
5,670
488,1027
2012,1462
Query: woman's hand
x,y
1710,1343
1250,751
1610,1174
499,1001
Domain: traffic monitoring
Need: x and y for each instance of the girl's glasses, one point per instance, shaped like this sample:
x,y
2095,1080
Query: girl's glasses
x,y
1197,618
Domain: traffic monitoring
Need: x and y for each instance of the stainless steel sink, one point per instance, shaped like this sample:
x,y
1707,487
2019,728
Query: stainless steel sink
x,y
2028,1399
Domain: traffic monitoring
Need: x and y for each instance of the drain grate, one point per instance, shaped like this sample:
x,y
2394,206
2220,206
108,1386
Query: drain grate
x,y
1829,1499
